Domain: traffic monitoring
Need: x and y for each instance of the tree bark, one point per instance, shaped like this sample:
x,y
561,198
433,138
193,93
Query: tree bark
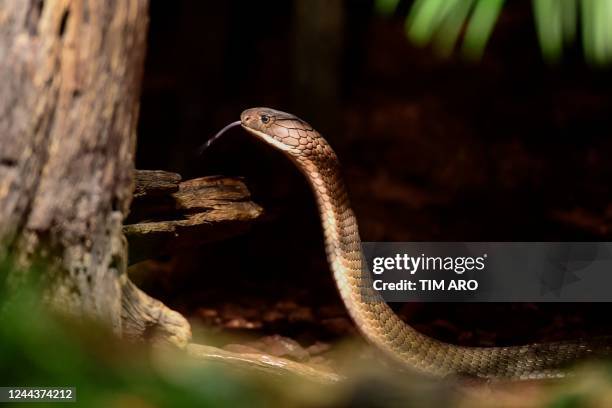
x,y
71,73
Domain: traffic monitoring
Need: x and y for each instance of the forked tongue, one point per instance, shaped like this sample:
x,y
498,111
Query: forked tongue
x,y
218,135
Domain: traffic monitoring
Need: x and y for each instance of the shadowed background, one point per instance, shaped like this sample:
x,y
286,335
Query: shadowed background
x,y
509,148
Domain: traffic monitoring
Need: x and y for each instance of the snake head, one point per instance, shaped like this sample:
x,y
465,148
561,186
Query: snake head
x,y
284,131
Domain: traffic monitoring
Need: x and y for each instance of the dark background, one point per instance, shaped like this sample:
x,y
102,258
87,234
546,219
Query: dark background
x,y
506,149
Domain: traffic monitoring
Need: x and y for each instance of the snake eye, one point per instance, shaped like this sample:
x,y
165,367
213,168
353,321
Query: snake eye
x,y
265,118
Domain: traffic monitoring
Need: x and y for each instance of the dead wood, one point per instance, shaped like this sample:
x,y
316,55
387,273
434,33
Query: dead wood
x,y
168,214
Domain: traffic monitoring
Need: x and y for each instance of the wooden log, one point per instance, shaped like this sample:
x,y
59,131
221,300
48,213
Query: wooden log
x,y
263,363
167,214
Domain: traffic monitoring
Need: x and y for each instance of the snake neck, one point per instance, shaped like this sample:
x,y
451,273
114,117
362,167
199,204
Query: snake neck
x,y
372,316
342,241
379,323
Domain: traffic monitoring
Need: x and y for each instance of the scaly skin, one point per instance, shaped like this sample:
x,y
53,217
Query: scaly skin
x,y
376,321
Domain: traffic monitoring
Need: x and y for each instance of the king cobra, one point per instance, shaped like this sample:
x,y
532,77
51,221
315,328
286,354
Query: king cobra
x,y
378,323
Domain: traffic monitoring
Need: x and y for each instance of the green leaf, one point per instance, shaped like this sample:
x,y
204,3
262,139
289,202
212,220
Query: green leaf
x,y
451,27
425,17
548,18
480,27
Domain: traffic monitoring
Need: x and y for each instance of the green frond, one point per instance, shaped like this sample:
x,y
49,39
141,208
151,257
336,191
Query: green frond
x,y
480,27
443,23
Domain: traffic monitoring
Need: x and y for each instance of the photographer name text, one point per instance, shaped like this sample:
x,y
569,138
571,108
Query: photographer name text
x,y
411,265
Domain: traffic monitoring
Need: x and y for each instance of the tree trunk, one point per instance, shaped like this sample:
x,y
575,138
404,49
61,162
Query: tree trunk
x,y
71,73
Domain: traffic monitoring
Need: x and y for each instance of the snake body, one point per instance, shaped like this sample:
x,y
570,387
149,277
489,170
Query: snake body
x,y
373,317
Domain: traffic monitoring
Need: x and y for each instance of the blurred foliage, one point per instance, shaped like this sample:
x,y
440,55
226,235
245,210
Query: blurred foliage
x,y
42,348
443,23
